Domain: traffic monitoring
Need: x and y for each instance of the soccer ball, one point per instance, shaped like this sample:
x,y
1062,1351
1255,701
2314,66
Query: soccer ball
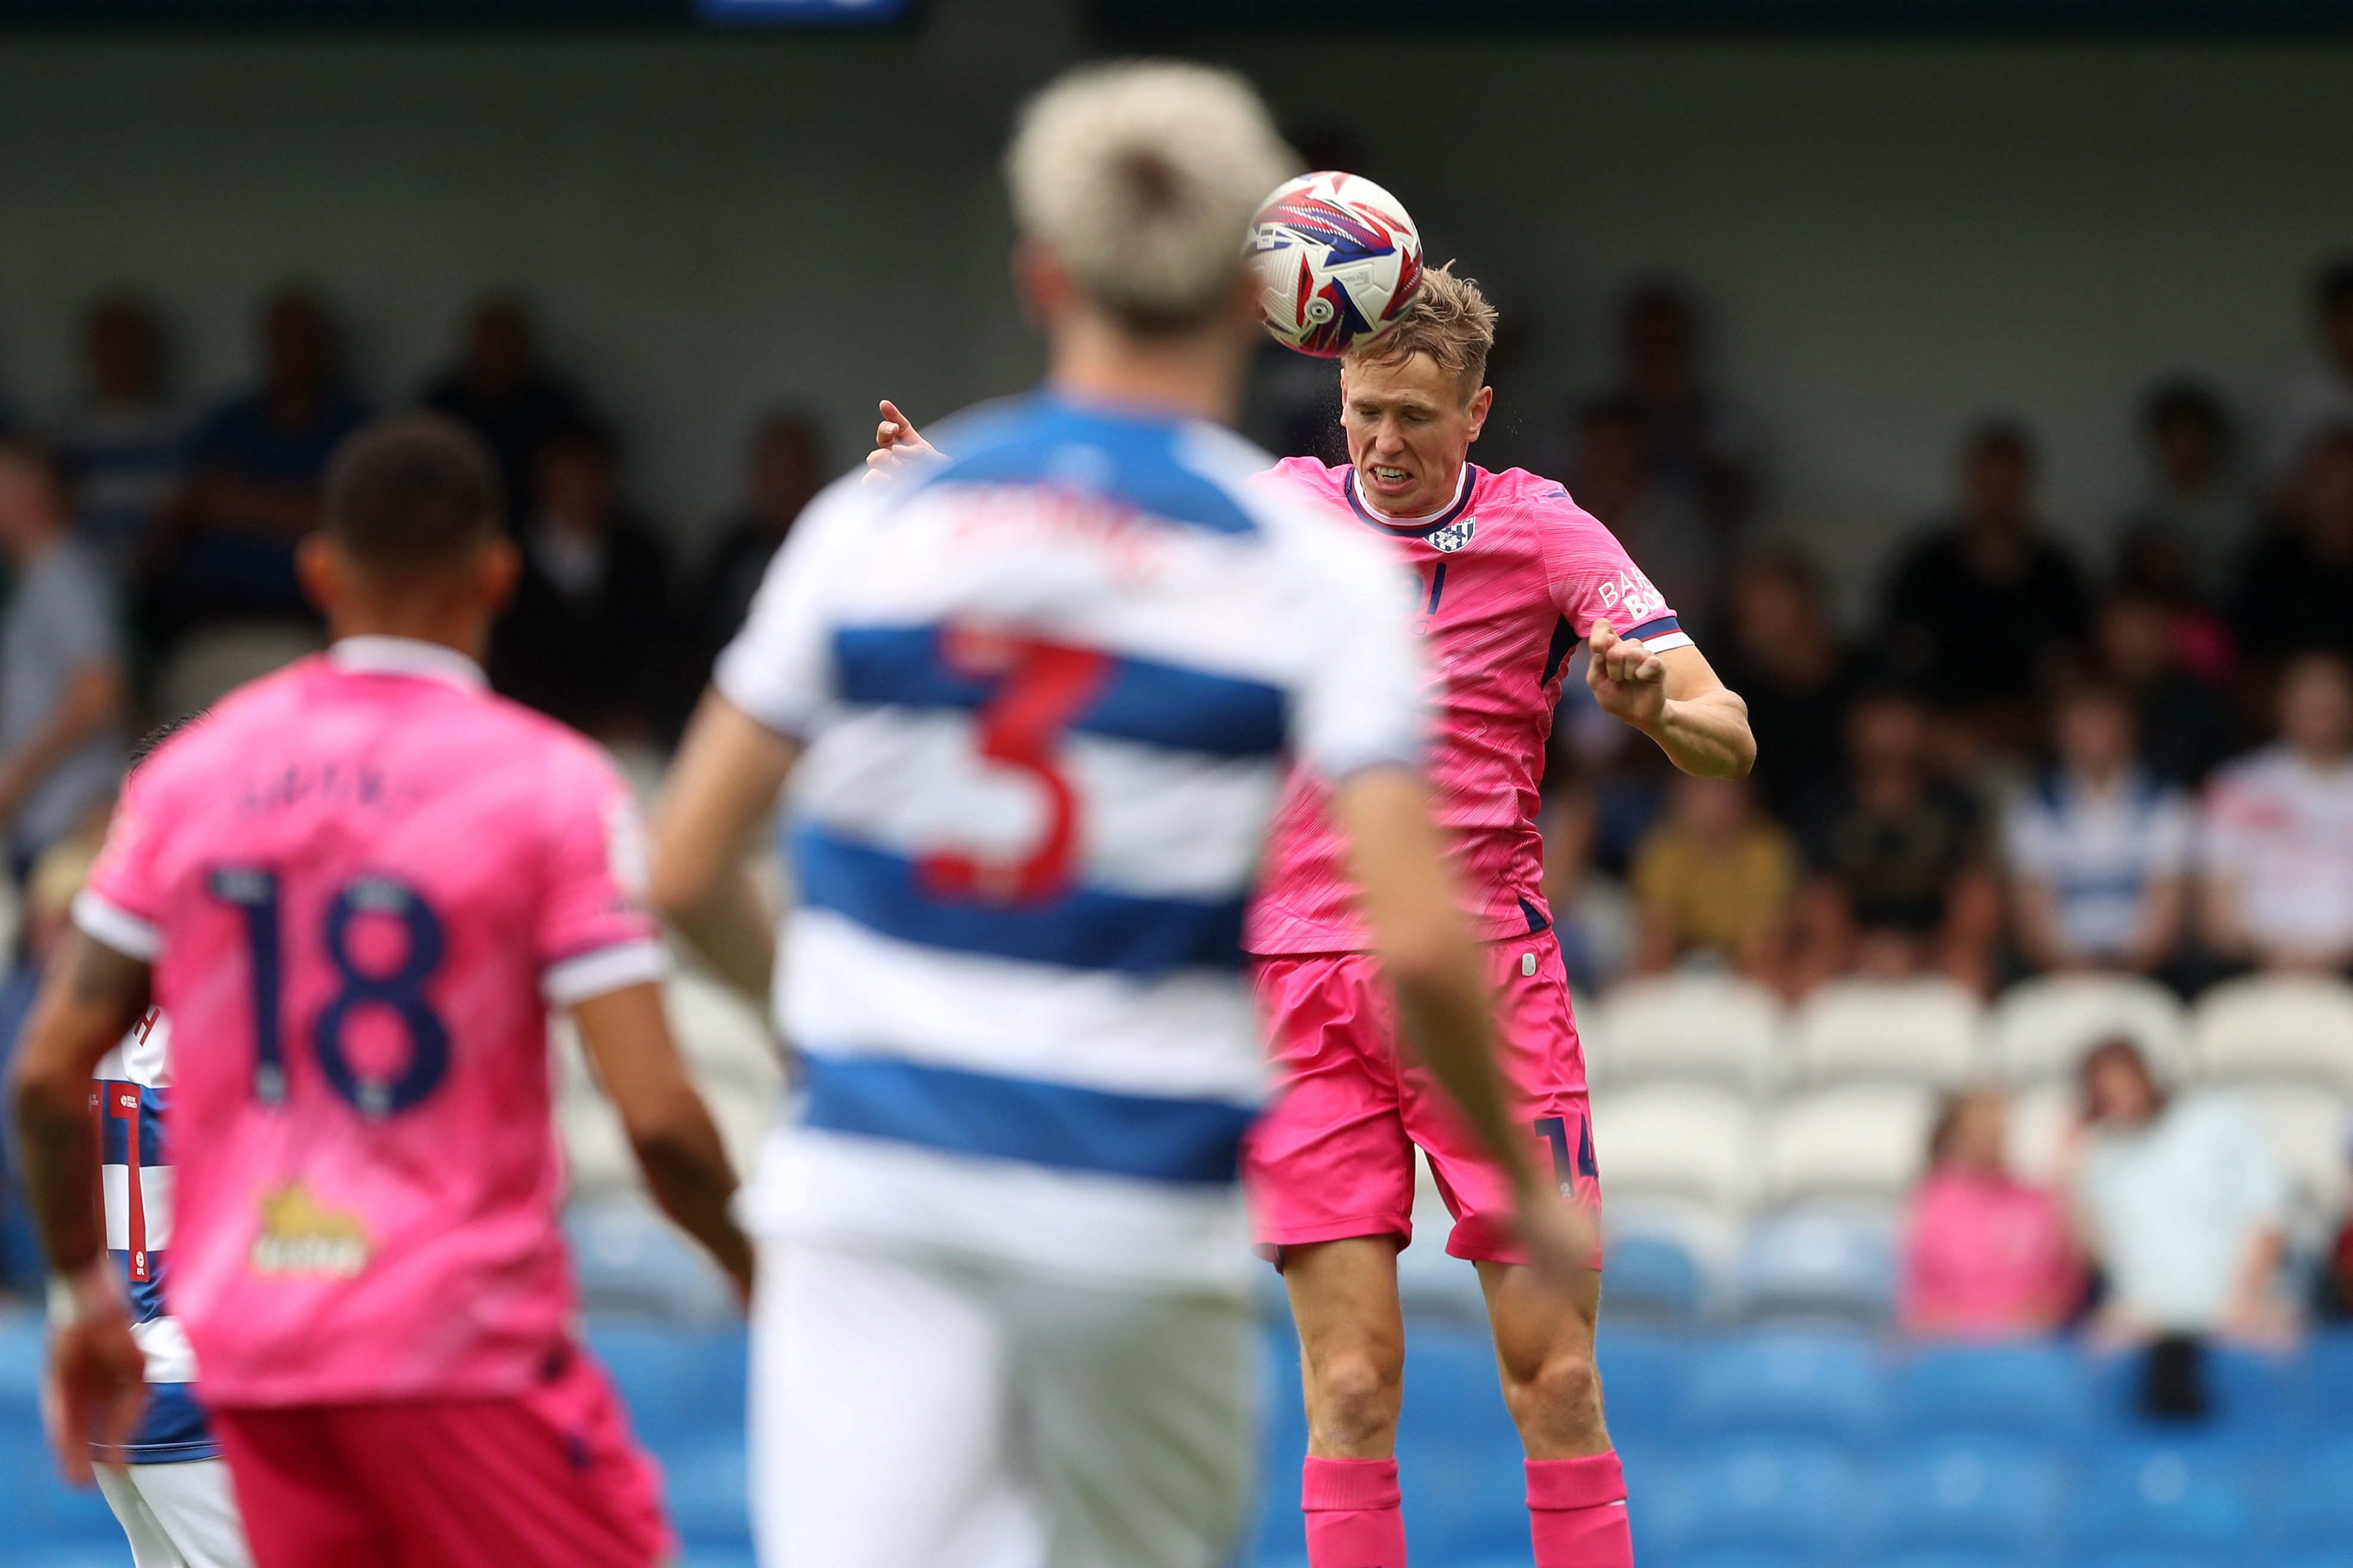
x,y
1338,261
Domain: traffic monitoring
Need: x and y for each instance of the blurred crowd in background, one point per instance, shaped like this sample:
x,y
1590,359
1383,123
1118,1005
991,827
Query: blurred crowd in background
x,y
2032,760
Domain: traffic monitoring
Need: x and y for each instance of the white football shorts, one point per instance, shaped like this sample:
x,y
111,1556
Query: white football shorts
x,y
914,1411
182,1514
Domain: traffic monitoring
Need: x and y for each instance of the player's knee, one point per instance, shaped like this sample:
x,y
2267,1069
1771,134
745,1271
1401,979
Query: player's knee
x,y
1357,1396
1565,1385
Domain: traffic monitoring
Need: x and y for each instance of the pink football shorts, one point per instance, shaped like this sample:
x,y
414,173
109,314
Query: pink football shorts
x,y
1333,1157
550,1476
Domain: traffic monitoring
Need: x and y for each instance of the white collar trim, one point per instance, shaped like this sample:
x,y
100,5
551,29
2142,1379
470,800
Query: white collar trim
x,y
407,655
1462,482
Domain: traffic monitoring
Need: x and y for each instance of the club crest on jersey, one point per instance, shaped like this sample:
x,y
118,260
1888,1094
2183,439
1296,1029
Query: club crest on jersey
x,y
1452,538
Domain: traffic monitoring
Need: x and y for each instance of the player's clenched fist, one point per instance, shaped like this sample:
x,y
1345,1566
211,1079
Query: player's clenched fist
x,y
1628,680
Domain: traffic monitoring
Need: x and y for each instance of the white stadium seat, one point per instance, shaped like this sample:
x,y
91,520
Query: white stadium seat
x,y
1858,1142
2043,1027
1920,1031
2275,1026
2039,1120
1686,1027
1693,1141
2306,1127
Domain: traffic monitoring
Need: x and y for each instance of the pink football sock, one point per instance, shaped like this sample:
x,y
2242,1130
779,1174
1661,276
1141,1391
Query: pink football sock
x,y
1577,1512
1352,1513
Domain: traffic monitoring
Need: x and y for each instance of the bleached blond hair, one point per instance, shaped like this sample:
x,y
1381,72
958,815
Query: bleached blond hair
x,y
1451,322
1144,177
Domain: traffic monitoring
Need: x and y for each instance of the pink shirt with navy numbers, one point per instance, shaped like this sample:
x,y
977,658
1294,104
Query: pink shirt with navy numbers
x,y
1505,581
363,881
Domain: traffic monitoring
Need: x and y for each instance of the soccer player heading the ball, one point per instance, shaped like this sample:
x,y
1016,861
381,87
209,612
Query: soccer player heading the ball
x,y
356,888
1037,702
1508,574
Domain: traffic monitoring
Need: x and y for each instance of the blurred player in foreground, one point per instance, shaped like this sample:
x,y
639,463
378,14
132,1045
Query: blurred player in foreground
x,y
1035,704
1509,575
355,889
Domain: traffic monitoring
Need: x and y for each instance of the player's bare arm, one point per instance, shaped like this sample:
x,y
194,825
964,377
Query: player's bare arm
x,y
97,1377
628,1039
1442,1003
725,778
1676,698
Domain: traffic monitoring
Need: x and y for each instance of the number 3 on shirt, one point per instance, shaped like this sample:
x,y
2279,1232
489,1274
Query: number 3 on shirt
x,y
401,992
1039,687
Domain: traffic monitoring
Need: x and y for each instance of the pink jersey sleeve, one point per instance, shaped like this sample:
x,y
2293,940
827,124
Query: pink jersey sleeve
x,y
120,904
1594,579
595,933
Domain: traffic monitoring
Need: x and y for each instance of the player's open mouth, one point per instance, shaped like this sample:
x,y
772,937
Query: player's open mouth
x,y
1382,476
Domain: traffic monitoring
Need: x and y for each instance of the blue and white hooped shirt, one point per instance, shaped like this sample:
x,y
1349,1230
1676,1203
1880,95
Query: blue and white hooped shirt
x,y
130,1097
1049,692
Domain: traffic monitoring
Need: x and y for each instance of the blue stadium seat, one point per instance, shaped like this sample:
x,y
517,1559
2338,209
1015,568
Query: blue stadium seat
x,y
115,1553
2324,1383
1458,1456
1949,1560
1816,1267
721,1557
2342,1558
23,1349
2140,1559
705,1483
1736,1557
679,1383
1967,1494
1642,1381
2244,1386
1826,1385
2155,1496
1650,1280
1784,1493
2314,1504
2027,1389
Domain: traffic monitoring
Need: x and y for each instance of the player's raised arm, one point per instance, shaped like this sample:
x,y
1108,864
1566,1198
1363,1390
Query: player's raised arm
x,y
1676,698
1442,1003
91,998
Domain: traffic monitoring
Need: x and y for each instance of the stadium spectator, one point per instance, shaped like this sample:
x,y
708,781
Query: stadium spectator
x,y
2099,850
2183,1206
1665,524
2196,514
501,387
2296,592
787,468
1979,611
1898,878
1713,883
2318,397
1695,438
2279,833
1590,913
125,442
1781,657
2184,725
63,695
1984,1253
587,637
254,489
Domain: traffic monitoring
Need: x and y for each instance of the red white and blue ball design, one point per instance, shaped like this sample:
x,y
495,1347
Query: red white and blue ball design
x,y
1339,262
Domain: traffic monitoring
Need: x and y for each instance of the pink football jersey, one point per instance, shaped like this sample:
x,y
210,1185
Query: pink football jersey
x,y
1506,581
362,881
